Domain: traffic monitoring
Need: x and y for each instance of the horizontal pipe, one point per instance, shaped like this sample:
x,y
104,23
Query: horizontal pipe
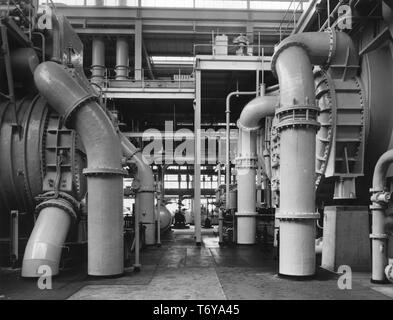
x,y
47,239
72,97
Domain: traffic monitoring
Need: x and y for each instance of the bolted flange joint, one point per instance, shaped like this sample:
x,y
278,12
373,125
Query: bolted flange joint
x,y
246,162
297,116
297,215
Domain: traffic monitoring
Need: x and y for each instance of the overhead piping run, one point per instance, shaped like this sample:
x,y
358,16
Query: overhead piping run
x,y
380,199
71,95
144,185
246,164
228,141
297,124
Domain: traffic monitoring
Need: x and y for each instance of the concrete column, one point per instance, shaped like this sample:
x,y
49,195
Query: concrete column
x,y
122,58
138,50
98,60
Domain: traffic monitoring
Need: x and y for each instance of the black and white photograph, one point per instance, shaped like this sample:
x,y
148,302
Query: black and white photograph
x,y
196,157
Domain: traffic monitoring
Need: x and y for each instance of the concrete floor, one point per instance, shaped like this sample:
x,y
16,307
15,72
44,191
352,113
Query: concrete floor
x,y
179,270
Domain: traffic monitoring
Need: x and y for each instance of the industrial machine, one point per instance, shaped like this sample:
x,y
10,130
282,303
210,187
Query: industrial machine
x,y
62,154
310,151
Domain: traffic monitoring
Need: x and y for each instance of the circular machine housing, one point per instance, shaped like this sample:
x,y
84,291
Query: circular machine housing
x,y
30,146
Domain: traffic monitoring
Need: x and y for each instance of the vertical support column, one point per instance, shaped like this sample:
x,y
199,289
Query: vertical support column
x,y
122,58
98,60
14,237
197,165
138,50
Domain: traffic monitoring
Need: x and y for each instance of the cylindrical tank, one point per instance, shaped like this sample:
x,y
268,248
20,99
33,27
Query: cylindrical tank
x,y
166,219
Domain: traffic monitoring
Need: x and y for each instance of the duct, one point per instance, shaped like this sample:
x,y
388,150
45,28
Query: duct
x,y
380,199
46,241
98,60
144,185
297,124
71,96
246,164
122,59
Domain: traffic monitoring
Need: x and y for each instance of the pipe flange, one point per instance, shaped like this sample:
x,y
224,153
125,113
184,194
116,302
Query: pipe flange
x,y
297,215
281,49
306,107
245,214
298,123
55,195
68,114
246,162
145,190
244,128
381,236
104,171
58,203
332,46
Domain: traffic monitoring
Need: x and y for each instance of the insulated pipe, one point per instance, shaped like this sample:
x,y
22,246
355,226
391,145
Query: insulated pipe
x,y
297,124
145,194
380,199
71,96
246,164
47,239
122,58
228,141
98,60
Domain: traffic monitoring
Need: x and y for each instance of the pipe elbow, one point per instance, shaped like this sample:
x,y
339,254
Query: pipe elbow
x,y
145,173
327,49
257,109
381,169
63,88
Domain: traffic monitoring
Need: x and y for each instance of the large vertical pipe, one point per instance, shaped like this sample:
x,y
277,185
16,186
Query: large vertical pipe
x,y
72,97
47,239
246,165
98,60
122,58
297,123
297,167
380,199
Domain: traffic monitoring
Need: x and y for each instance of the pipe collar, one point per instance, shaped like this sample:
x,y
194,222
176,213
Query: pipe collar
x,y
58,203
104,171
297,215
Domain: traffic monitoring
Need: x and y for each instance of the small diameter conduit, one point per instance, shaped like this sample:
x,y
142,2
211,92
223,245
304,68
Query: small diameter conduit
x,y
246,164
297,124
144,200
71,96
380,199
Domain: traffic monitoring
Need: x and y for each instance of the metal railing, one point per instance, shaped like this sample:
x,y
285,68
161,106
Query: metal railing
x,y
173,78
291,23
